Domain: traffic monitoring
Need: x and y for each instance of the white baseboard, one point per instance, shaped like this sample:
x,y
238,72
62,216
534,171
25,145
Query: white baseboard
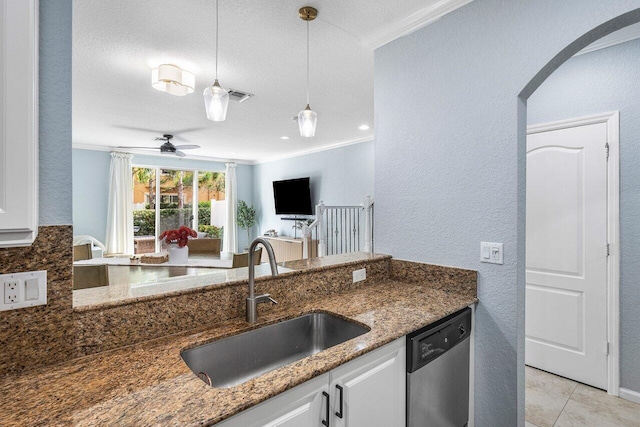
x,y
630,395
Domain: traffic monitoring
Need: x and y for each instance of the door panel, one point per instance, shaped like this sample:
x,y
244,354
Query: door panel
x,y
566,323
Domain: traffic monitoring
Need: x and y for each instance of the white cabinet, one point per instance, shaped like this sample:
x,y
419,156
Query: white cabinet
x,y
302,406
18,122
372,389
373,393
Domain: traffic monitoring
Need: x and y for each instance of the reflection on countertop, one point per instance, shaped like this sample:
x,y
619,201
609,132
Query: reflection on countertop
x,y
132,283
137,282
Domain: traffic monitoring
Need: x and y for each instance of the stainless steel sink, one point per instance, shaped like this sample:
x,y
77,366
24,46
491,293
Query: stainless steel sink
x,y
234,360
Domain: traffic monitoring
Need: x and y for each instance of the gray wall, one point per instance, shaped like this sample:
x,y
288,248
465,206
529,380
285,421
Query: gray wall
x,y
55,113
91,186
90,192
341,176
450,153
597,82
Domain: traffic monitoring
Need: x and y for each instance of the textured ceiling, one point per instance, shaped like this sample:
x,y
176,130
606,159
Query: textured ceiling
x,y
262,51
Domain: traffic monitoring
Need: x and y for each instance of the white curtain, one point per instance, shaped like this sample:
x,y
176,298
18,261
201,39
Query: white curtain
x,y
120,211
230,237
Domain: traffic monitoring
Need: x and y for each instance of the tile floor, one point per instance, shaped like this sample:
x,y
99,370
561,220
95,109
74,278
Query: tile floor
x,y
553,401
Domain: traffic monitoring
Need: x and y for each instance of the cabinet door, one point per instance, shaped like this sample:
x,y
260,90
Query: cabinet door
x,y
302,406
18,122
373,389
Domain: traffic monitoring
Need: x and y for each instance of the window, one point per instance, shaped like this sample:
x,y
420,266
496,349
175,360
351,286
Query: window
x,y
168,198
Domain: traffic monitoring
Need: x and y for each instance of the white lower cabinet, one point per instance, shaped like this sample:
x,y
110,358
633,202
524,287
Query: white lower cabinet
x,y
368,391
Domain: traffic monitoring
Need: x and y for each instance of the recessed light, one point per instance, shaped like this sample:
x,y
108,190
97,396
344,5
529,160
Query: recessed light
x,y
363,127
284,137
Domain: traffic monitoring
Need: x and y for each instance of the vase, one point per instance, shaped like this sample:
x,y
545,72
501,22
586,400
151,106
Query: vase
x,y
177,254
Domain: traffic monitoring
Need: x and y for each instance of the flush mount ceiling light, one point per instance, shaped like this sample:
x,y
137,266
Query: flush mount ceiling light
x,y
216,98
363,127
307,118
172,79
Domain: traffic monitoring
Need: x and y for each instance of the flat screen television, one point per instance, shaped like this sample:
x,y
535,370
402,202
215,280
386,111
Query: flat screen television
x,y
292,197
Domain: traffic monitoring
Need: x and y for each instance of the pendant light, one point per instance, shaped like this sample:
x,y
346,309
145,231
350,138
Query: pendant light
x,y
307,118
216,98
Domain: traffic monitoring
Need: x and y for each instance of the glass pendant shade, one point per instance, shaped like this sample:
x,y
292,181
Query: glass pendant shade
x,y
174,80
216,101
307,120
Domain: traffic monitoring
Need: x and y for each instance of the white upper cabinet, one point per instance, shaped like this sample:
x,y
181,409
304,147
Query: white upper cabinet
x,y
18,122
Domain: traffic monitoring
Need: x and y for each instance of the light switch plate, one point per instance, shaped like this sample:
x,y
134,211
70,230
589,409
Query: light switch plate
x,y
492,253
22,290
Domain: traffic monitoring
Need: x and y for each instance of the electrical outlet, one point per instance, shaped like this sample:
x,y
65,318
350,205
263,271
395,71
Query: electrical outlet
x,y
359,275
21,290
11,292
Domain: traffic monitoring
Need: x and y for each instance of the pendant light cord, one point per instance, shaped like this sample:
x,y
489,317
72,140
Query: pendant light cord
x,y
217,32
307,62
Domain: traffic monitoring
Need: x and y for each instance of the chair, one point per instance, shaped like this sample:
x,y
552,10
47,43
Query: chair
x,y
242,260
90,276
204,246
81,252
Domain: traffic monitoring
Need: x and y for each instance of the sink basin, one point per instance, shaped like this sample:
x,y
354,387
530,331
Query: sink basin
x,y
234,360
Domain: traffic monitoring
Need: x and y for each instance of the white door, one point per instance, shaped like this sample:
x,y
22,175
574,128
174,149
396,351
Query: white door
x,y
566,269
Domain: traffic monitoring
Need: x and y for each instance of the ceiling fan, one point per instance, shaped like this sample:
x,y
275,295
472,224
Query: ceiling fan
x,y
168,147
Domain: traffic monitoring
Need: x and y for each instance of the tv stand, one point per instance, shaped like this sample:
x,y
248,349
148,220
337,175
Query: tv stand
x,y
293,219
287,248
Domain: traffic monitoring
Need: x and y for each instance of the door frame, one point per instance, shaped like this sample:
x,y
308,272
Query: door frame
x,y
612,120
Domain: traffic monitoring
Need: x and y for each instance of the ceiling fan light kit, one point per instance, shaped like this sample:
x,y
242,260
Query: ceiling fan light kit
x,y
307,118
167,147
216,98
172,79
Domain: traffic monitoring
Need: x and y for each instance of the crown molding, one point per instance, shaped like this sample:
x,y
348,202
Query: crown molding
x,y
411,23
621,36
92,147
315,150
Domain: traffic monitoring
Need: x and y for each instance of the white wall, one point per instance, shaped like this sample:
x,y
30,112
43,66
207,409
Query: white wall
x,y
449,158
341,176
597,82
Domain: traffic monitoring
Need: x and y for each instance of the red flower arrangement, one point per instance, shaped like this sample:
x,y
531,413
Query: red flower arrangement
x,y
180,236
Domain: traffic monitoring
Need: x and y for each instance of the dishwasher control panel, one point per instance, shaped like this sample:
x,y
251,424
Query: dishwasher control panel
x,y
432,341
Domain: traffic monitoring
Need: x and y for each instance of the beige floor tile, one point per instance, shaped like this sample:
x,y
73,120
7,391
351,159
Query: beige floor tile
x,y
601,402
577,414
549,382
542,407
528,424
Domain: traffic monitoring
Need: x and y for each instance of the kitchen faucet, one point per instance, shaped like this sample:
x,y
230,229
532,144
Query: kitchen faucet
x,y
253,300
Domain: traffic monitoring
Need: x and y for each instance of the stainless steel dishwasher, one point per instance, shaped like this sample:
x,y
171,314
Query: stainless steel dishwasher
x,y
438,373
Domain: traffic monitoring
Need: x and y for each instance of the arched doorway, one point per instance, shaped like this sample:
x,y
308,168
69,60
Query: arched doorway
x,y
613,263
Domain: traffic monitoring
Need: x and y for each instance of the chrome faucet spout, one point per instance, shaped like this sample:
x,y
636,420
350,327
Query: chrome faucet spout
x,y
253,300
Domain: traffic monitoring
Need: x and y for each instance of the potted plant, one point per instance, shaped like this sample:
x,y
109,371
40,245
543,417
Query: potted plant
x,y
246,218
176,241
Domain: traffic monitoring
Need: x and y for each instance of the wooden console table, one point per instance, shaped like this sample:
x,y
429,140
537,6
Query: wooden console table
x,y
288,249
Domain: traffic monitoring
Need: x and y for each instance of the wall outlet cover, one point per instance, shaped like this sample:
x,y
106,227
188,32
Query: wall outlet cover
x,y
22,290
359,275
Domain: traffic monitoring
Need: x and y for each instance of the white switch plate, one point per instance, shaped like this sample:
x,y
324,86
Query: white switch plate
x,y
22,290
492,253
359,275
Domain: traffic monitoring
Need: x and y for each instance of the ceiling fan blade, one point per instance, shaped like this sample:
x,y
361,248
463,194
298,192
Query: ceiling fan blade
x,y
142,148
187,147
180,153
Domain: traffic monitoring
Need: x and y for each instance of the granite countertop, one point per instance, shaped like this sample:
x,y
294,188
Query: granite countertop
x,y
149,384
